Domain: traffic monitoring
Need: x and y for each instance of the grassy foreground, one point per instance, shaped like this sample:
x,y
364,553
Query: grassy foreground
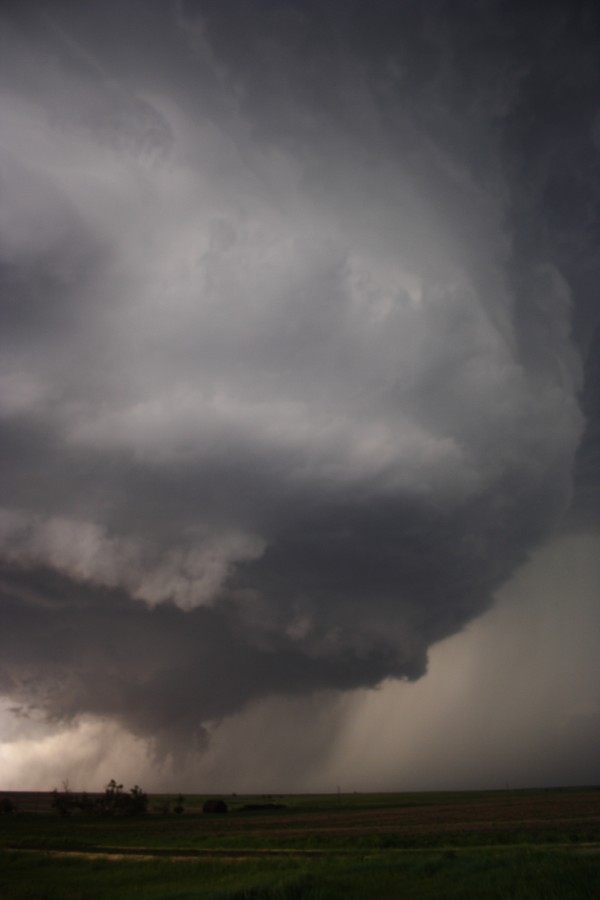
x,y
526,845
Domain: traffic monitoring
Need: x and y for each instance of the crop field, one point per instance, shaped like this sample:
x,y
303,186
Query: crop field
x,y
518,844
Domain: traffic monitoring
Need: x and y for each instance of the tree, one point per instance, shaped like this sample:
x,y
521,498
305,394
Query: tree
x,y
113,802
7,806
64,802
137,801
116,802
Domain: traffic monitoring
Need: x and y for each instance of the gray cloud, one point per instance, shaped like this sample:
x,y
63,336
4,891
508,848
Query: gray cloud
x,y
298,308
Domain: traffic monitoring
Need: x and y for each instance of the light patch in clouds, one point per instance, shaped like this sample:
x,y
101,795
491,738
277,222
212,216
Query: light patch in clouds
x,y
85,756
189,576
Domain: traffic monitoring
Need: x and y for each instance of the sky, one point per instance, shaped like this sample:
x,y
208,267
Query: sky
x,y
299,394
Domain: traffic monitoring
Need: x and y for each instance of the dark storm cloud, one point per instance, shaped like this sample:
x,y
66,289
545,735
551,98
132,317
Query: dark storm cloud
x,y
298,308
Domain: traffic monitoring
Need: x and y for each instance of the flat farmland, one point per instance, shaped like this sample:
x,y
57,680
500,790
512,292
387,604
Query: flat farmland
x,y
540,816
523,844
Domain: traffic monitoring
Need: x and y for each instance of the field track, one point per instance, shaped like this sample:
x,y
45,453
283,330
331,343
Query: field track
x,y
151,853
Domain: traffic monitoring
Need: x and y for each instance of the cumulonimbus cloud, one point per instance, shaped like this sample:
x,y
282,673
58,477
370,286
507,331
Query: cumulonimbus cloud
x,y
296,344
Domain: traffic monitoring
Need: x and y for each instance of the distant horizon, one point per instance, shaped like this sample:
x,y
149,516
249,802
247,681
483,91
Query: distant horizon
x,y
350,793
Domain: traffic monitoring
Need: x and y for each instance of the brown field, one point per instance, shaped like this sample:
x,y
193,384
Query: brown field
x,y
571,810
544,813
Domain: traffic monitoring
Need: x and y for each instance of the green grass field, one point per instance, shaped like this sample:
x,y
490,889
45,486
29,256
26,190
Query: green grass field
x,y
522,845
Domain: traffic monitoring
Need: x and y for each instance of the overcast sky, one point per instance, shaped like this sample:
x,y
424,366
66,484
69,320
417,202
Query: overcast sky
x,y
299,387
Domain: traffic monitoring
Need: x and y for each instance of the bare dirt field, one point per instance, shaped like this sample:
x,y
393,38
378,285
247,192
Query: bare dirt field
x,y
545,813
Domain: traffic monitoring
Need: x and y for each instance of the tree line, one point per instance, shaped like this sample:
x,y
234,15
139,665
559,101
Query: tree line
x,y
113,802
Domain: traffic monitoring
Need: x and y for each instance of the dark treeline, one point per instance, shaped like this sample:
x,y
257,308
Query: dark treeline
x,y
113,802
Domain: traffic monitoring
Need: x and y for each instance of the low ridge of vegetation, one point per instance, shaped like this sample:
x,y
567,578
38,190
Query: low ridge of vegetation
x,y
113,802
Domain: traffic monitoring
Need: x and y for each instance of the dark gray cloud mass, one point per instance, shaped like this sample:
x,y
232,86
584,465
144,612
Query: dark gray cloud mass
x,y
299,339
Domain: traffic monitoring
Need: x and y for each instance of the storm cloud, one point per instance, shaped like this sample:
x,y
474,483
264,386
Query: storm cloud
x,y
299,315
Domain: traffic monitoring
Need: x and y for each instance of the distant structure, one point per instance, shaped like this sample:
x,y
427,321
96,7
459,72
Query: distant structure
x,y
214,806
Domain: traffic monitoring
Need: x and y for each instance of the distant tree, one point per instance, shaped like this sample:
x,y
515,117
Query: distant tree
x,y
214,806
7,806
137,801
113,802
119,803
64,802
179,801
87,804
